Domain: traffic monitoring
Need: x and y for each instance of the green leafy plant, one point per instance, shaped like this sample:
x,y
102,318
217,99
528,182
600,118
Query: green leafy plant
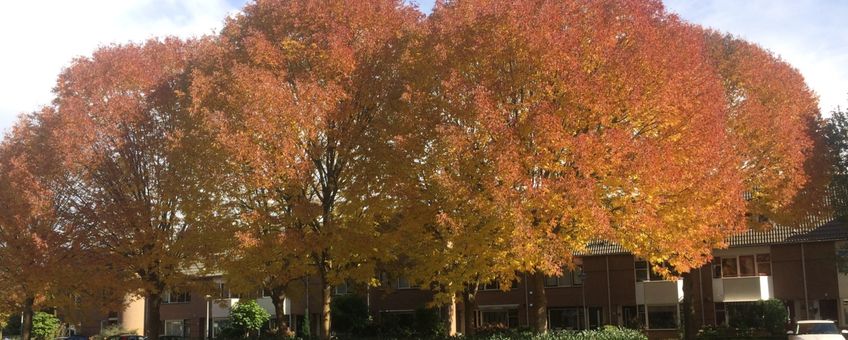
x,y
44,325
349,314
605,333
247,318
306,331
113,330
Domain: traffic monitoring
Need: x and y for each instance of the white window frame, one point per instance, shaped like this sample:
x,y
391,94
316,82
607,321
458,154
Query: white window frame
x,y
648,317
569,278
167,295
181,323
757,264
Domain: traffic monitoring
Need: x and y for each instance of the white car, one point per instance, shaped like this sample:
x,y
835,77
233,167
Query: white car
x,y
816,330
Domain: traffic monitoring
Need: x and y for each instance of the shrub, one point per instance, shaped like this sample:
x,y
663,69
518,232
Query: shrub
x,y
605,333
247,318
306,330
349,314
113,330
428,323
44,325
764,317
775,317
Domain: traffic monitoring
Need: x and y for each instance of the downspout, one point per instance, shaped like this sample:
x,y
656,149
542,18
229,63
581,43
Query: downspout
x,y
609,292
804,277
526,300
701,302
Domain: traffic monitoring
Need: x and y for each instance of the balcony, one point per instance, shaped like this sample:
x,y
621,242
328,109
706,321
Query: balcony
x,y
221,307
659,292
740,289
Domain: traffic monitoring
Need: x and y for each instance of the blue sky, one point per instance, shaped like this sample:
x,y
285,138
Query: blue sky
x,y
40,37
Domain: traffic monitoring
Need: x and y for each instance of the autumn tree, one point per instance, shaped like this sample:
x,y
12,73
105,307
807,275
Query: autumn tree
x,y
601,120
306,98
775,124
136,159
36,247
264,255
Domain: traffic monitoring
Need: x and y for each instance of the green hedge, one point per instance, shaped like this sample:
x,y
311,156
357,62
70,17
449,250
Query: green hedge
x,y
606,333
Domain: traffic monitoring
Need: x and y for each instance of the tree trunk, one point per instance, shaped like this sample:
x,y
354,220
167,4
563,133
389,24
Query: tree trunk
x,y
278,297
539,310
690,329
26,325
151,320
452,316
327,299
469,307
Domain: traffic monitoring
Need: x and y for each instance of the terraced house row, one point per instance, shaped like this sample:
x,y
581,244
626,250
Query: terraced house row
x,y
802,266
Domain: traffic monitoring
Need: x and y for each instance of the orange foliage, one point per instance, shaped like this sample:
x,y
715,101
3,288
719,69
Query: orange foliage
x,y
305,96
133,153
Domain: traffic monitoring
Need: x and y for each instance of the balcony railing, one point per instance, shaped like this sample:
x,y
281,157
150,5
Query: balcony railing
x,y
739,289
659,292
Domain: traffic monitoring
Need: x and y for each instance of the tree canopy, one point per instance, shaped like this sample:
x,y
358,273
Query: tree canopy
x,y
341,139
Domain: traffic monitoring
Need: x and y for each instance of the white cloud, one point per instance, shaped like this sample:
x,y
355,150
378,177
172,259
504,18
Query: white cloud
x,y
39,38
809,34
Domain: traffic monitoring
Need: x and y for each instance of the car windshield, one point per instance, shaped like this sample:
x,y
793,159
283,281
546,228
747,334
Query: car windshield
x,y
817,328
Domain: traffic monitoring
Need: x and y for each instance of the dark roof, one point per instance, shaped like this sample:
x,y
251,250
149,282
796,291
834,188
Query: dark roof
x,y
828,231
810,230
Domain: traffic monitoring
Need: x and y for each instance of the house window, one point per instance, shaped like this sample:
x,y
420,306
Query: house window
x,y
223,291
633,316
174,327
720,314
219,325
717,268
340,289
566,318
403,283
176,297
645,273
569,278
641,271
595,317
845,310
662,317
499,318
496,285
746,265
842,259
729,267
764,264
493,285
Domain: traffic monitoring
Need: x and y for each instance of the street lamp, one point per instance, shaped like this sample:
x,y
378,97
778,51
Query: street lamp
x,y
208,322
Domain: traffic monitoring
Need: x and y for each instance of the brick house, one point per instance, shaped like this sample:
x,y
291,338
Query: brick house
x,y
804,267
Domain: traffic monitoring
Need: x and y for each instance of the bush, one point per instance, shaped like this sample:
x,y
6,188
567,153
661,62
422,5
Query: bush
x,y
113,330
306,330
759,318
44,325
349,314
775,317
605,333
13,325
428,323
247,318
